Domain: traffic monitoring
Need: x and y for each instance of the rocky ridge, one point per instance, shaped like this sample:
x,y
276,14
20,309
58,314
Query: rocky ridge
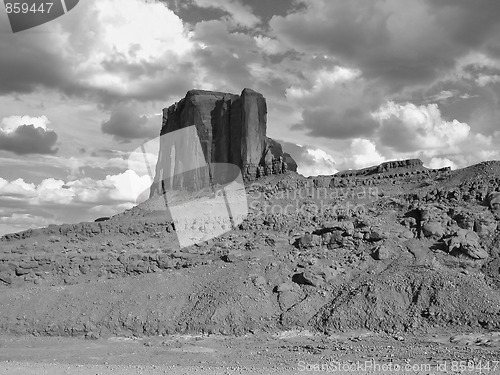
x,y
408,251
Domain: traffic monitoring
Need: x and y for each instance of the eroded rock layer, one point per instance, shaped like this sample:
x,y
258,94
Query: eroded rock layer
x,y
229,128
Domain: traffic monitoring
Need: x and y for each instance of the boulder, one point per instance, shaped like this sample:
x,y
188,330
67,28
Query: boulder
x,y
375,235
494,203
308,240
484,226
382,252
467,242
308,278
259,281
433,229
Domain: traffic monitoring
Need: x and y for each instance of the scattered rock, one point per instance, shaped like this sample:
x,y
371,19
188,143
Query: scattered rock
x,y
259,281
433,229
467,242
382,252
375,236
307,278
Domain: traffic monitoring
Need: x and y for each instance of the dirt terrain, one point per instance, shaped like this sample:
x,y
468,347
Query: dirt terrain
x,y
397,250
286,352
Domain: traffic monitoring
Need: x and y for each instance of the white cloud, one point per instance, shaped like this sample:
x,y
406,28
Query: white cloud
x,y
320,81
364,153
123,47
409,127
484,79
17,189
444,95
437,163
10,124
269,45
125,187
316,162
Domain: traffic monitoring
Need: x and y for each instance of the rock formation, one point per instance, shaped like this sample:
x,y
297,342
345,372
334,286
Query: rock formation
x,y
231,130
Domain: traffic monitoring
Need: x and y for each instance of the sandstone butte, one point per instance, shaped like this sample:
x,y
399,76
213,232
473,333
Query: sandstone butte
x,y
231,129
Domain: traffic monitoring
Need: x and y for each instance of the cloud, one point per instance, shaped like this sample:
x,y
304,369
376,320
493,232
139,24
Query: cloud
x,y
437,163
122,188
27,135
125,124
107,49
398,43
17,222
223,57
336,103
240,14
311,161
26,205
16,189
408,128
269,45
364,154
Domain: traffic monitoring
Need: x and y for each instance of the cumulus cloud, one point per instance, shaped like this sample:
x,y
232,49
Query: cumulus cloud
x,y
122,188
364,154
408,128
311,161
27,135
436,163
111,49
336,103
26,205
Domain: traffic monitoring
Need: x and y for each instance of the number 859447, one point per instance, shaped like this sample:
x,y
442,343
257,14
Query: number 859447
x,y
17,8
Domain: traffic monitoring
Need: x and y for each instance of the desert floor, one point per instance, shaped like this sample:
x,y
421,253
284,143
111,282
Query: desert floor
x,y
291,352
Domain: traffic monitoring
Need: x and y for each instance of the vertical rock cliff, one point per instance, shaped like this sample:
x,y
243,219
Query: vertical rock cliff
x,y
207,129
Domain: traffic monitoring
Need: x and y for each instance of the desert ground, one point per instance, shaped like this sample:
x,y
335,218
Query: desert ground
x,y
395,265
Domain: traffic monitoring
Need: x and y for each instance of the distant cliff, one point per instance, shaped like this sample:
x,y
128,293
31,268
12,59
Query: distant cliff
x,y
231,129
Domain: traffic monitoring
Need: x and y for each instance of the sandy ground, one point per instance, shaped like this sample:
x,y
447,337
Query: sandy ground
x,y
290,352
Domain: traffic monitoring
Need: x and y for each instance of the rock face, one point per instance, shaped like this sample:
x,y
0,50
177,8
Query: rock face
x,y
409,163
231,129
395,167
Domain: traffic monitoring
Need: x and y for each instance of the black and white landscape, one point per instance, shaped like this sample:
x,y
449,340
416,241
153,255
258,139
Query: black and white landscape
x,y
251,187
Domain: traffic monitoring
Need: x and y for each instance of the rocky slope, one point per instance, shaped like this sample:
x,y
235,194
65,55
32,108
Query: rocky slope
x,y
399,248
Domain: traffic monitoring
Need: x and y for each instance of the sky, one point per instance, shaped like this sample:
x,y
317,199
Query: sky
x,y
348,84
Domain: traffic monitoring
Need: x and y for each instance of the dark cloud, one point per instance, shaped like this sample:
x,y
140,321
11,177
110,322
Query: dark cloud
x,y
125,124
329,123
337,104
33,63
398,42
27,139
191,13
226,56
